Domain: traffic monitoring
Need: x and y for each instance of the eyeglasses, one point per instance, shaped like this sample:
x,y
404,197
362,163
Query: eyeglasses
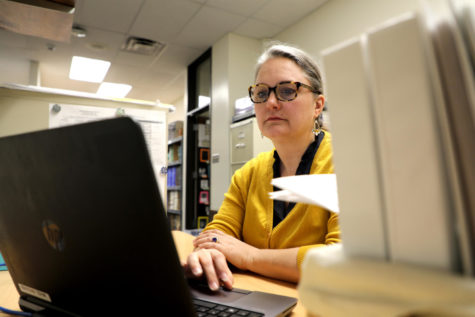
x,y
285,91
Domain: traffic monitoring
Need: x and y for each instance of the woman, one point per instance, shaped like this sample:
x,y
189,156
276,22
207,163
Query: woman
x,y
250,230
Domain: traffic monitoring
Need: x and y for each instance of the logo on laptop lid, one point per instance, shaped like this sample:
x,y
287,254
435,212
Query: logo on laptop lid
x,y
53,235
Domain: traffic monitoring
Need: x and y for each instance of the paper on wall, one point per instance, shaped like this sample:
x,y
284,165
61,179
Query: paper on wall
x,y
152,122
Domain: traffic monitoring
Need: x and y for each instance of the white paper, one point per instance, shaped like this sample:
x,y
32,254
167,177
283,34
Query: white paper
x,y
152,122
314,189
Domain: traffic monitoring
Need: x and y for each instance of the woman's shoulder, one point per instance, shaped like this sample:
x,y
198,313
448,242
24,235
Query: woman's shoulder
x,y
326,144
264,156
327,136
323,161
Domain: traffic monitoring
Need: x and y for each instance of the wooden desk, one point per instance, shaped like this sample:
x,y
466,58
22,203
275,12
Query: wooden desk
x,y
183,241
8,293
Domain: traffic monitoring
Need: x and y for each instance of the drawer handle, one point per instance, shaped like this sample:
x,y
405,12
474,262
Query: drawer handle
x,y
240,145
241,135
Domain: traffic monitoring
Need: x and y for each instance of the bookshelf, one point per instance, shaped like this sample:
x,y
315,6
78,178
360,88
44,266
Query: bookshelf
x,y
175,175
197,146
198,169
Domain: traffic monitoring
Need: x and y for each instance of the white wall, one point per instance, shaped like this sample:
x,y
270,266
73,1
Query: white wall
x,y
14,70
339,20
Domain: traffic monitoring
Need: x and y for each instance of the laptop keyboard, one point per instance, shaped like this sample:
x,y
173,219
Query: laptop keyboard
x,y
207,309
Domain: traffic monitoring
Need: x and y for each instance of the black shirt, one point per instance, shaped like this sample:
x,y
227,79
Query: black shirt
x,y
280,212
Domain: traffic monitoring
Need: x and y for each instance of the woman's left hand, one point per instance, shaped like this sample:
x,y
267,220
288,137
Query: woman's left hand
x,y
239,253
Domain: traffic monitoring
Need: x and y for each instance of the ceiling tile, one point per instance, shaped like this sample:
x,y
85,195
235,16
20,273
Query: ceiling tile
x,y
130,59
167,92
54,78
161,20
58,66
175,59
144,93
171,95
242,7
188,27
112,15
98,44
140,94
258,29
207,27
13,40
176,89
7,53
25,46
59,57
123,74
154,80
110,40
286,13
39,44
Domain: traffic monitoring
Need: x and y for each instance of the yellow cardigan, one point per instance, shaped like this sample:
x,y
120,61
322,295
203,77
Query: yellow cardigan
x,y
247,210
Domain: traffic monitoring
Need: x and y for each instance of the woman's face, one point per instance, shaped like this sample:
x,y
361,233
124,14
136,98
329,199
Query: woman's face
x,y
286,120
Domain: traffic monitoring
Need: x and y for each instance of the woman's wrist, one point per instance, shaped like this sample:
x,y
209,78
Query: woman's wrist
x,y
251,258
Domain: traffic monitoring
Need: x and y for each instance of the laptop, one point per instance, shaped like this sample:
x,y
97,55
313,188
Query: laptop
x,y
84,232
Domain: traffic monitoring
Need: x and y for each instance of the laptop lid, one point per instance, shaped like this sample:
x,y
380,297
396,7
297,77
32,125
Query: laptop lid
x,y
83,228
82,225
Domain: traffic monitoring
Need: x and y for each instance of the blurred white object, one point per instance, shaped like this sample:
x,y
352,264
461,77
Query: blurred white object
x,y
333,284
314,189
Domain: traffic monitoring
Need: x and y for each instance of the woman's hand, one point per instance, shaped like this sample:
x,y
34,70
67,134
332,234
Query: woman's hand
x,y
211,263
214,247
239,253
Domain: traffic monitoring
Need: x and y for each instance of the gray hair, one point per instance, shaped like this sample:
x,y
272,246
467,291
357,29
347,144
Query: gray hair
x,y
301,59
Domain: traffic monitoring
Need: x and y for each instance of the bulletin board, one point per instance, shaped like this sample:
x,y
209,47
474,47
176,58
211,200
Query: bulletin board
x,y
152,122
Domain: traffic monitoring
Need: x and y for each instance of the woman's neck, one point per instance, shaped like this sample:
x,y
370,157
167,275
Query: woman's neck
x,y
291,153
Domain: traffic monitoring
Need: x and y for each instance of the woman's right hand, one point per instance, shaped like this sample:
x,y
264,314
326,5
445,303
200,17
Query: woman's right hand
x,y
212,264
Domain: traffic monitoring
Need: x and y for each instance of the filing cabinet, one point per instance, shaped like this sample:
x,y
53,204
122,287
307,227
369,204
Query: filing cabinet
x,y
246,142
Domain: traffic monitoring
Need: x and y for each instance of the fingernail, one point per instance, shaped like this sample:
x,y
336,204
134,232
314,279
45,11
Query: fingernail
x,y
197,271
213,286
223,277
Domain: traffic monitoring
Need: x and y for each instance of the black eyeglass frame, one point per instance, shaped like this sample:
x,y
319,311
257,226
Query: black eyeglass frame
x,y
297,84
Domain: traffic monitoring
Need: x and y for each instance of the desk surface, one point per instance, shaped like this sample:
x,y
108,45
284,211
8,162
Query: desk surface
x,y
244,280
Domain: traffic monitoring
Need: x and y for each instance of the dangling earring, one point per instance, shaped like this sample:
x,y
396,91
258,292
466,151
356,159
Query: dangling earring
x,y
316,128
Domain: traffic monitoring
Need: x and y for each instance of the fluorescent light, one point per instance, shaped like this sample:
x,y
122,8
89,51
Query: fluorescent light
x,y
113,90
88,69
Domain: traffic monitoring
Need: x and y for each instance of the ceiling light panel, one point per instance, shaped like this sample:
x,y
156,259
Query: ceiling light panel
x,y
88,69
113,90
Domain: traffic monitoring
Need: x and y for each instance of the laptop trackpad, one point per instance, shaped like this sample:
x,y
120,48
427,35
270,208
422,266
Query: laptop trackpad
x,y
202,291
270,304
